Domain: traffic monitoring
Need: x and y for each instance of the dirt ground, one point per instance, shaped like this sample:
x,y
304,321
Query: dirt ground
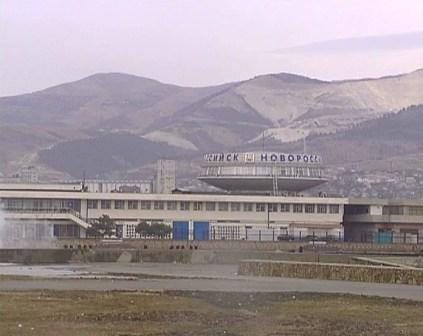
x,y
51,313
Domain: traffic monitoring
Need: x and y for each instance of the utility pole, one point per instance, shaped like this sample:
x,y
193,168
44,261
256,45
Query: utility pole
x,y
268,216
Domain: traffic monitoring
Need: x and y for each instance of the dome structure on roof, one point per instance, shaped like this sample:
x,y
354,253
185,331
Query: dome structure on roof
x,y
267,172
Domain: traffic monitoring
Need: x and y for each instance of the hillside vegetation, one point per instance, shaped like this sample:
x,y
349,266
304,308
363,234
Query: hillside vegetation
x,y
388,136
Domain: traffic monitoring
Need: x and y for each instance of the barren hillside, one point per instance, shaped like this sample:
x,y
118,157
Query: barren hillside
x,y
285,107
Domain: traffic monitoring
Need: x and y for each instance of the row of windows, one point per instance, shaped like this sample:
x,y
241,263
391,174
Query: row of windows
x,y
39,204
386,210
415,211
213,206
400,210
225,232
262,171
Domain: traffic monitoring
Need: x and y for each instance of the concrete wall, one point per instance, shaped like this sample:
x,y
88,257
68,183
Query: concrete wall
x,y
218,245
35,256
198,256
326,271
170,244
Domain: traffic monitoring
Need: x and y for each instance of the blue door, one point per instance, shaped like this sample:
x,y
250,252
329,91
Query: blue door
x,y
201,230
180,230
384,237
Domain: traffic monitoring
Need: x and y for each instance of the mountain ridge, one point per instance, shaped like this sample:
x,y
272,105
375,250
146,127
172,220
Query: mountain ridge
x,y
285,107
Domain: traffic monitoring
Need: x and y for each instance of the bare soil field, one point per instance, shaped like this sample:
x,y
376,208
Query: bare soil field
x,y
174,313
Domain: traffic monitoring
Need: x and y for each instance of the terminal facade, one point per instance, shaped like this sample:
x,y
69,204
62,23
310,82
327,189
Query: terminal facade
x,y
227,216
261,200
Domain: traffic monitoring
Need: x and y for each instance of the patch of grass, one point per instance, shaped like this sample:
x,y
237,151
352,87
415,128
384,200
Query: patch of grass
x,y
64,313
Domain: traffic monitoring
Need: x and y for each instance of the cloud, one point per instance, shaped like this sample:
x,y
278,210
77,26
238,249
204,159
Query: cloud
x,y
404,41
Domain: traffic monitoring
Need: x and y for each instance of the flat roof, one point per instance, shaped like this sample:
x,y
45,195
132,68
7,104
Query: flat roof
x,y
45,194
72,187
384,201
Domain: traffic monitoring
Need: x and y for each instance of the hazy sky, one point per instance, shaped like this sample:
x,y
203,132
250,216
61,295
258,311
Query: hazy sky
x,y
202,42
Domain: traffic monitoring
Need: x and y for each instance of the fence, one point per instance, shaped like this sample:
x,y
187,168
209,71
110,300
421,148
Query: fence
x,y
235,233
390,237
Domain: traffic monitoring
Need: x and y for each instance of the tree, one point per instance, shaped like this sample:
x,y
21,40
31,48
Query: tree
x,y
157,230
143,228
103,226
92,231
108,225
160,230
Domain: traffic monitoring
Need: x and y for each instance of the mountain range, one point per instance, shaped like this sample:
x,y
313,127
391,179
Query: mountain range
x,y
115,124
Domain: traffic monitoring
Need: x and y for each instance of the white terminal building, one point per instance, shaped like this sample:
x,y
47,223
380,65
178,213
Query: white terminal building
x,y
260,200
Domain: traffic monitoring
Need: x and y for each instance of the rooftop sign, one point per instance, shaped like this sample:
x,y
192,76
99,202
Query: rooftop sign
x,y
262,157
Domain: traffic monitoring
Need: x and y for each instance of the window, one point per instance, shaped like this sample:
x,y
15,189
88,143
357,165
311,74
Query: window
x,y
272,207
248,207
132,205
106,204
285,207
260,207
158,205
130,230
198,206
145,205
393,210
230,171
92,204
298,208
235,206
223,206
210,206
184,206
334,208
415,211
322,208
69,204
14,204
263,171
309,208
223,232
357,209
171,205
119,204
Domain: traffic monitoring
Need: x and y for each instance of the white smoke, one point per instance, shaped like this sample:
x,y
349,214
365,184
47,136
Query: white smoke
x,y
25,234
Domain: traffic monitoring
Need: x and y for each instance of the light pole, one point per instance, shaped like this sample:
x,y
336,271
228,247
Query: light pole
x,y
268,215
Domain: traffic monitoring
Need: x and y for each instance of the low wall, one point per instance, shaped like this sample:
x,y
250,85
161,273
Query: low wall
x,y
35,256
99,254
131,255
325,271
234,257
361,248
198,256
169,244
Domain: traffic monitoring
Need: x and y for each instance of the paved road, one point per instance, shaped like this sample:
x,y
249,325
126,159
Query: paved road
x,y
189,277
243,284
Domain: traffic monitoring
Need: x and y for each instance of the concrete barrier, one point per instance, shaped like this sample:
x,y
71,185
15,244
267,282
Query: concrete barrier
x,y
35,256
361,248
326,271
198,256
